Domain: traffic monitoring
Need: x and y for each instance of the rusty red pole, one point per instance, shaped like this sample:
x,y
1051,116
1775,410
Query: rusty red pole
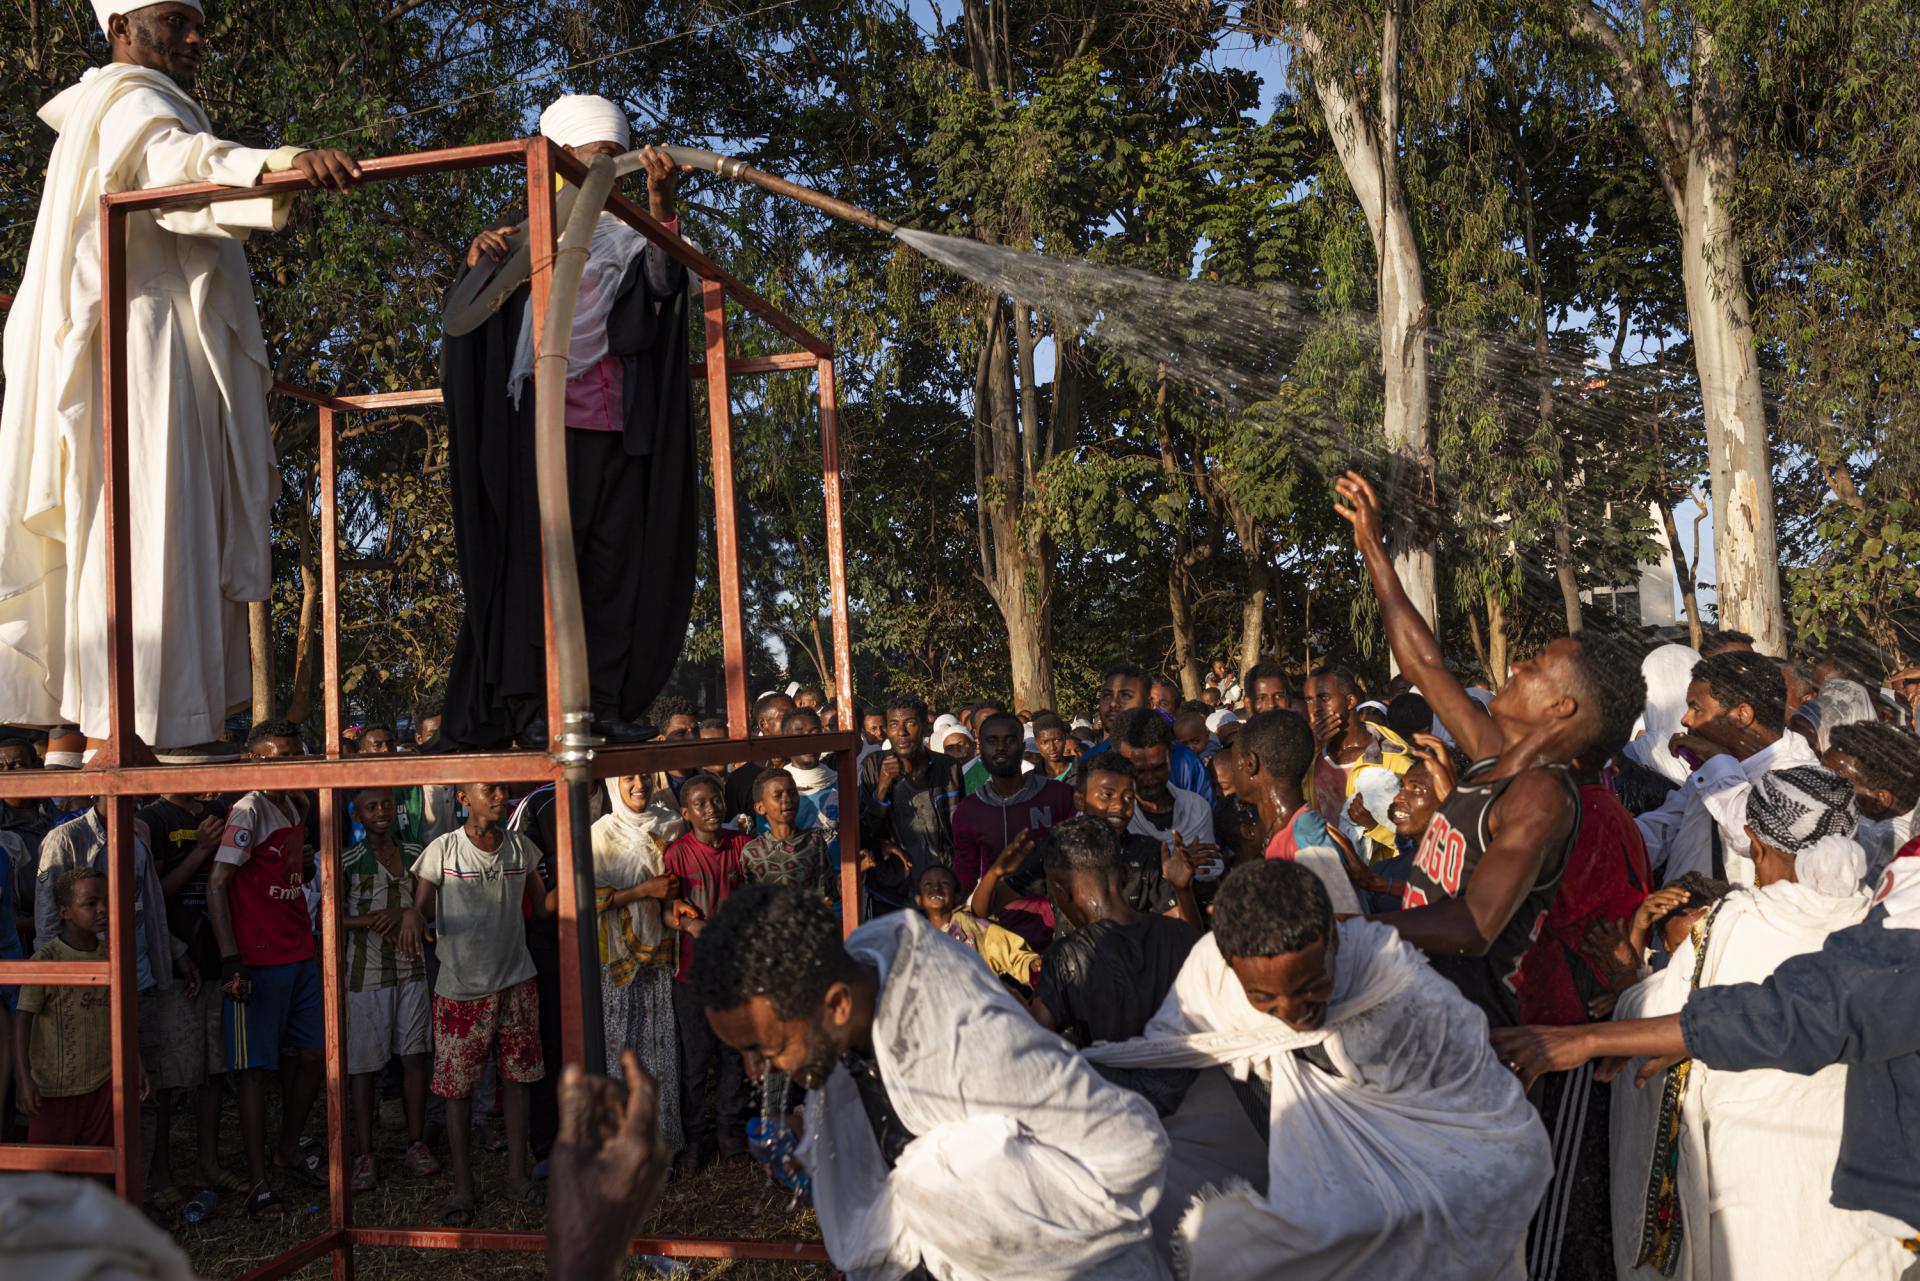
x,y
726,542
333,937
842,649
123,997
329,582
542,240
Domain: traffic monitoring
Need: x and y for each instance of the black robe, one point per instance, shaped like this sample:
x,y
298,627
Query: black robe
x,y
496,685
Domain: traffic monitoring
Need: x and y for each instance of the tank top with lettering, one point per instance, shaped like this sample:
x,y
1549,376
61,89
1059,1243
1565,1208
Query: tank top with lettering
x,y
1448,855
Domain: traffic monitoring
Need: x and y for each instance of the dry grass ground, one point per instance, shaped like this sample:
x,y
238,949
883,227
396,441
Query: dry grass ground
x,y
733,1200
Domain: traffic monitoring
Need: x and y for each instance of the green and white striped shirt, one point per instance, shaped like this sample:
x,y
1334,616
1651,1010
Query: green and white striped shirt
x,y
372,960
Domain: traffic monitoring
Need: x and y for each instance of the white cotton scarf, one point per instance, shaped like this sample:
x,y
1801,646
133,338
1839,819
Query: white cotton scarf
x,y
1757,1148
57,1228
1419,1160
1026,1163
615,246
1668,671
629,847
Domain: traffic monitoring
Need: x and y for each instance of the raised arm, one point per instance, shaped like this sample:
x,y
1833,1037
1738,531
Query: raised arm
x,y
1415,648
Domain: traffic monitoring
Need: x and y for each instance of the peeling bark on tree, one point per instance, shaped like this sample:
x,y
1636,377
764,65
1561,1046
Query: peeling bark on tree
x,y
1367,141
1694,151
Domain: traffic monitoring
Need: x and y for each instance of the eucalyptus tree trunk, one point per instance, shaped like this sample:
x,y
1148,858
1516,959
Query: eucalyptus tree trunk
x,y
1367,139
1693,148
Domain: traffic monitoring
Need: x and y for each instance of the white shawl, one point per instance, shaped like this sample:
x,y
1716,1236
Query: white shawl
x,y
1668,671
629,847
1026,1162
1757,1148
1420,1160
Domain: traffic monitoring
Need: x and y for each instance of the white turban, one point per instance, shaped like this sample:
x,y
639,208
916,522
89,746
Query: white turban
x,y
1220,717
582,118
105,9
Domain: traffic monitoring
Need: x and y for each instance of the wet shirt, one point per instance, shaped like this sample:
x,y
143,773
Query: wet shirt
x,y
1449,853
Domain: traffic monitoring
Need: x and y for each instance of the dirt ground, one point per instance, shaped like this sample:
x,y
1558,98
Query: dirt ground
x,y
734,1200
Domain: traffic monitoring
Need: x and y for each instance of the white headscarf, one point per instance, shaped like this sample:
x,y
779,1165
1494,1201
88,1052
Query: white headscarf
x,y
105,9
629,847
576,120
1839,702
1809,812
1668,671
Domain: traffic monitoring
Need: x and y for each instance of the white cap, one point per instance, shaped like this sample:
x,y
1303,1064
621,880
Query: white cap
x,y
105,9
581,118
1224,716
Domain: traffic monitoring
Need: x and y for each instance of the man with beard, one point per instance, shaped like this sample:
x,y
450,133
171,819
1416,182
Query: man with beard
x,y
1125,687
1161,809
200,464
907,796
1010,803
930,1090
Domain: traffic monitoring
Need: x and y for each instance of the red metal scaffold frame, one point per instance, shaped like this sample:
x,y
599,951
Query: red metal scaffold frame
x,y
111,777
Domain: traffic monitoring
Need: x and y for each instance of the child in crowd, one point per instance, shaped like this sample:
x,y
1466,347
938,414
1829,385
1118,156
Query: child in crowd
x,y
268,972
819,788
470,887
707,861
63,1040
936,892
388,1004
636,902
785,853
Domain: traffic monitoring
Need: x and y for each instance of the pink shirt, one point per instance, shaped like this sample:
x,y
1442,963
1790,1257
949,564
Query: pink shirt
x,y
596,400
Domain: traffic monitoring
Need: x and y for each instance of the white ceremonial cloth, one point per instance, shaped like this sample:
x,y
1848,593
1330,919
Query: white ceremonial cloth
x,y
1025,1162
1679,835
201,462
1418,1160
54,1227
1757,1148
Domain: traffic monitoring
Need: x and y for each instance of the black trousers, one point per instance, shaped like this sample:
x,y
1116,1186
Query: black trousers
x,y
608,493
702,1052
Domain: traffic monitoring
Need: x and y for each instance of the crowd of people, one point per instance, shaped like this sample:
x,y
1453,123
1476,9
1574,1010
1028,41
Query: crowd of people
x,y
1305,975
1261,943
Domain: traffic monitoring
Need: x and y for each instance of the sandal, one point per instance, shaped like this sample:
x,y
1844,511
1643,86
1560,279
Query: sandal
x,y
226,1183
310,1168
457,1213
263,1204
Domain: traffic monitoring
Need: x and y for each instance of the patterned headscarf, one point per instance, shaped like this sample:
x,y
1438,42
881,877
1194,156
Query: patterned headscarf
x,y
1792,808
1808,812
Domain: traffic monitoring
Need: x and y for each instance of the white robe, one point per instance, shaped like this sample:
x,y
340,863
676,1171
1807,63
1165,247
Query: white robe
x,y
1757,1149
1679,835
1025,1162
201,465
1419,1159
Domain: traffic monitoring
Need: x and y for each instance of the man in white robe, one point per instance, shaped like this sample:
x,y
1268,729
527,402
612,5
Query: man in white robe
x,y
1735,725
945,1129
1756,1149
200,463
1399,1149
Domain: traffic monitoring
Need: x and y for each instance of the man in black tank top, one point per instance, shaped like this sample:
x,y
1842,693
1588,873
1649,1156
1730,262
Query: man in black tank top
x,y
1488,866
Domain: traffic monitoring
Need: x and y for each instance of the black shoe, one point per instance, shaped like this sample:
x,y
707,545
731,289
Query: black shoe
x,y
615,730
533,738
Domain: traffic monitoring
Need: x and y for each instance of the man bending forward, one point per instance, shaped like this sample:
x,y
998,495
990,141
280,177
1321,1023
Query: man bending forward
x,y
1398,1147
945,1129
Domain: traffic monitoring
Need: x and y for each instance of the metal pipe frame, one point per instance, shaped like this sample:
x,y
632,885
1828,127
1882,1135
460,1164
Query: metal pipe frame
x,y
112,776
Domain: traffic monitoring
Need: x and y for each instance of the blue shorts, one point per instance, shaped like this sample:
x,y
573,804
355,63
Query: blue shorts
x,y
282,1014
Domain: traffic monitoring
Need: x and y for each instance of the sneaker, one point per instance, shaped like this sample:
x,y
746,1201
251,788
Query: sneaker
x,y
421,1161
365,1177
